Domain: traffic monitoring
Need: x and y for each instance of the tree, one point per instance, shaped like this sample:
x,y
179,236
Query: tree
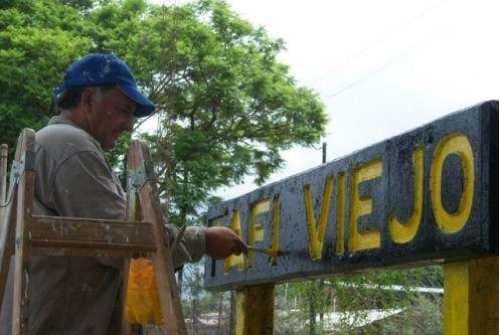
x,y
351,296
226,106
39,40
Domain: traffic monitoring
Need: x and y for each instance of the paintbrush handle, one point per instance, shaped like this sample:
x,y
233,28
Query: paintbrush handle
x,y
258,249
265,251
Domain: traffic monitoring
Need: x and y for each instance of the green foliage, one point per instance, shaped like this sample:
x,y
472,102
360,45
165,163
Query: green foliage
x,y
353,296
423,316
38,43
349,296
226,106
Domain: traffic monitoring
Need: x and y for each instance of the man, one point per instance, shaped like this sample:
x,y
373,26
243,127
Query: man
x,y
98,101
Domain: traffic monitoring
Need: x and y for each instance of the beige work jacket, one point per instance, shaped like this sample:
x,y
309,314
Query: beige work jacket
x,y
78,295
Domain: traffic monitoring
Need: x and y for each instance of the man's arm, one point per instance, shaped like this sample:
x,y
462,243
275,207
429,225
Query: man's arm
x,y
216,242
84,186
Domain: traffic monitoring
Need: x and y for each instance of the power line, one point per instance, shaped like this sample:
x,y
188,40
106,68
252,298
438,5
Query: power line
x,y
367,76
386,64
382,38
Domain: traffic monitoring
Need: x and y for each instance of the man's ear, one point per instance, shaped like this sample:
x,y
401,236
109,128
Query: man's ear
x,y
87,99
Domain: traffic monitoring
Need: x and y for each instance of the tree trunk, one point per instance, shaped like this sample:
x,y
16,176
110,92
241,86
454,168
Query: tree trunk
x,y
285,299
232,315
312,312
194,314
322,304
180,279
220,311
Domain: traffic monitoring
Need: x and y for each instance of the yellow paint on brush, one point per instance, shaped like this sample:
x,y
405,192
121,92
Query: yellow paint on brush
x,y
471,297
363,206
316,229
269,252
458,144
404,232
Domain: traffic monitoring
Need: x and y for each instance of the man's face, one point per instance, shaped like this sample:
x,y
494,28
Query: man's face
x,y
109,113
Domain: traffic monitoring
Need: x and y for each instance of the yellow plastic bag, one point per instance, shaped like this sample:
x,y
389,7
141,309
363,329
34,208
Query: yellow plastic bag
x,y
142,304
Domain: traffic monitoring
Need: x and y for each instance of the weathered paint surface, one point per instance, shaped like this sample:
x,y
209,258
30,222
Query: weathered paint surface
x,y
471,297
420,196
255,310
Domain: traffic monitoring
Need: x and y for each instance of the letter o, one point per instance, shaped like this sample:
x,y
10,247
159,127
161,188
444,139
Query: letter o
x,y
458,144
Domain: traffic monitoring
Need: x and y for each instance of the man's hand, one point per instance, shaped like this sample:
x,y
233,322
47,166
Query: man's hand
x,y
221,242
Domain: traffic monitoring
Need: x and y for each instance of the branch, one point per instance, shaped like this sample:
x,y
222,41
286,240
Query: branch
x,y
141,122
214,116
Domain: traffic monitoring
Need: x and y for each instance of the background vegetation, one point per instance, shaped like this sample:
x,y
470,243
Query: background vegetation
x,y
226,106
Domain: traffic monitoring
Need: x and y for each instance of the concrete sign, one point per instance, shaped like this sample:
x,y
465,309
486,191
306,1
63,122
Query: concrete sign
x,y
429,194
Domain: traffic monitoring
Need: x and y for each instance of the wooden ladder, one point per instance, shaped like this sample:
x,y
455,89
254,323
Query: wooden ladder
x,y
23,234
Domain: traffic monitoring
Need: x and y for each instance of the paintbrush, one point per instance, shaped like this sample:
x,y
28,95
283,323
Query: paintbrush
x,y
270,252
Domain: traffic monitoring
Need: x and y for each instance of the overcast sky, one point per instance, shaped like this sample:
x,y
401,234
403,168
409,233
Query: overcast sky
x,y
380,67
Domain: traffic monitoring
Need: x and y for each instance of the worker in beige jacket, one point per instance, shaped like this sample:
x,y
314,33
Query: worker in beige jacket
x,y
98,101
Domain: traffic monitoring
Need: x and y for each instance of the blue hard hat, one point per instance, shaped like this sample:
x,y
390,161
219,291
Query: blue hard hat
x,y
102,70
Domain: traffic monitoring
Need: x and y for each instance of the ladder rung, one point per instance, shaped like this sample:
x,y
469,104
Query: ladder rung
x,y
77,236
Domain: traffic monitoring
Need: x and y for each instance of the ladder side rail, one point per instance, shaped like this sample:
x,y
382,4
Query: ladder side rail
x,y
131,215
7,234
25,197
168,292
4,150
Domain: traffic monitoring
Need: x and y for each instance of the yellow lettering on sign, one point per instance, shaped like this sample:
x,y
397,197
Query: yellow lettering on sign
x,y
339,248
275,230
458,144
363,206
237,261
255,230
404,232
316,231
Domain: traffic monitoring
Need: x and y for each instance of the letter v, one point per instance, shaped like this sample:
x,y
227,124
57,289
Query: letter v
x,y
317,230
